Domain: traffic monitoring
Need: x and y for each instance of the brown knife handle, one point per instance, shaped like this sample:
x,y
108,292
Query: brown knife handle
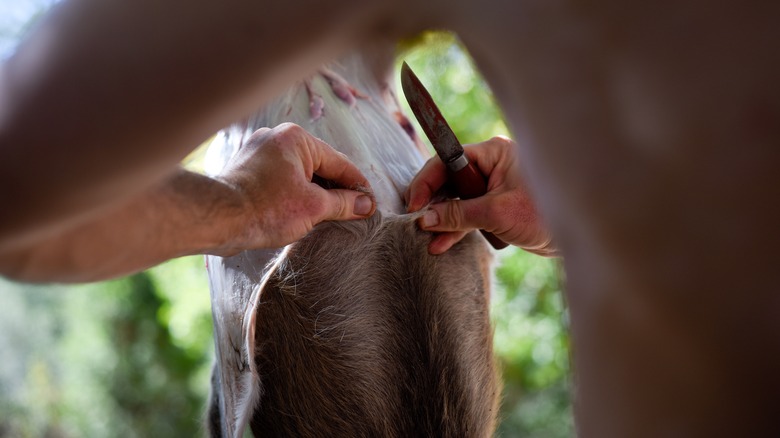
x,y
469,183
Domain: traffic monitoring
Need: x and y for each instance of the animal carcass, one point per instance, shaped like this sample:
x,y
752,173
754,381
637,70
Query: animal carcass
x,y
355,330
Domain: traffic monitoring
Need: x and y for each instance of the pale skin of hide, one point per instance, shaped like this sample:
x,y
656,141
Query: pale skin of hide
x,y
648,134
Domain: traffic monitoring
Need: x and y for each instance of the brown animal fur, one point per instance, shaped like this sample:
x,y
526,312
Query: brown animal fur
x,y
361,332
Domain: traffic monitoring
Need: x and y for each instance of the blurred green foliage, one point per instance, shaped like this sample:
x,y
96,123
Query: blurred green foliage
x,y
131,357
531,330
459,91
123,358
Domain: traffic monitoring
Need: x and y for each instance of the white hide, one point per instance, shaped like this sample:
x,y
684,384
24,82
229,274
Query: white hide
x,y
367,131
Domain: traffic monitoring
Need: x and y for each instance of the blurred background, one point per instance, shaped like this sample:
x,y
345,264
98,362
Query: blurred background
x,y
132,357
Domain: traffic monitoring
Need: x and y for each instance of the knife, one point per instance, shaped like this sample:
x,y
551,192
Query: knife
x,y
464,176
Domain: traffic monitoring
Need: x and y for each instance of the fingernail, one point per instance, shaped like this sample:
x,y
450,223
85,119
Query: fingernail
x,y
430,219
363,205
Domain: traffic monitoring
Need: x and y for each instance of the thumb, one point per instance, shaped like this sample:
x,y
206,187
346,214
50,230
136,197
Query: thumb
x,y
342,204
458,215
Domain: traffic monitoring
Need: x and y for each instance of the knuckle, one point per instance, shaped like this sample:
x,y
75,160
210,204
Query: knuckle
x,y
327,207
434,162
338,205
453,215
259,134
288,128
338,160
258,138
427,168
344,158
502,141
289,133
342,209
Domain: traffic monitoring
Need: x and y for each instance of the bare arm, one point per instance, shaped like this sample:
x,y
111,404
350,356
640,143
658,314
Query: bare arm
x,y
105,97
158,224
264,198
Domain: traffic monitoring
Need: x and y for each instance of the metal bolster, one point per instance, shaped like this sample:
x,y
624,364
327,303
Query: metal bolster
x,y
458,163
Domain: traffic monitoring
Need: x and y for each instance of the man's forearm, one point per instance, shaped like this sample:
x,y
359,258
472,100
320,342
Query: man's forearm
x,y
105,97
188,214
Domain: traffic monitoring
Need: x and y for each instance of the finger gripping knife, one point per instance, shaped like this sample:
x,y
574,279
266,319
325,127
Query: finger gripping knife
x,y
463,175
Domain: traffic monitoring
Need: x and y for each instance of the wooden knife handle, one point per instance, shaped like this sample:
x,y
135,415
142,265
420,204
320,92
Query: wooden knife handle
x,y
470,183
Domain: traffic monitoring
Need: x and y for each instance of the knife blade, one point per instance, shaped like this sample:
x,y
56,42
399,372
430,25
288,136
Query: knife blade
x,y
464,176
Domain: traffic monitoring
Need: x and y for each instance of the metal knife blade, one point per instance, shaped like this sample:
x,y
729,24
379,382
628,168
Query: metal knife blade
x,y
468,181
433,123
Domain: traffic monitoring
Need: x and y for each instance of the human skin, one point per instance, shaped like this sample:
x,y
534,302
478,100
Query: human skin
x,y
263,199
94,111
648,133
506,210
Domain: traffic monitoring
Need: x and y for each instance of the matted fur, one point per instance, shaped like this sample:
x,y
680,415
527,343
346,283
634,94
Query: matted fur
x,y
360,332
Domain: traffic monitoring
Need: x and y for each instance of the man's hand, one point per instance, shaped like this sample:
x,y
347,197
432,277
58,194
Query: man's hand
x,y
506,210
263,199
273,172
